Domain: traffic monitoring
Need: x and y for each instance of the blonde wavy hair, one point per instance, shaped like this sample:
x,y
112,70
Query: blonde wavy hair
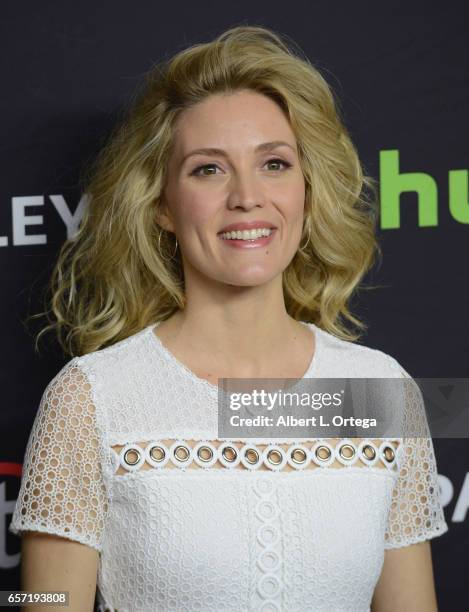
x,y
116,275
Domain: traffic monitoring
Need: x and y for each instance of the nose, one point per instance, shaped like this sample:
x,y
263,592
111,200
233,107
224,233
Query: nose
x,y
245,191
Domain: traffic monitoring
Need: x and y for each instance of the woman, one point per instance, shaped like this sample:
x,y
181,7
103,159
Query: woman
x,y
163,291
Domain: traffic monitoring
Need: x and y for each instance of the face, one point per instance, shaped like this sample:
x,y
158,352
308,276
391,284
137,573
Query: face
x,y
254,176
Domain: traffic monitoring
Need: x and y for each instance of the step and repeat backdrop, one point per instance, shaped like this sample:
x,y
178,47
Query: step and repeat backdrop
x,y
402,78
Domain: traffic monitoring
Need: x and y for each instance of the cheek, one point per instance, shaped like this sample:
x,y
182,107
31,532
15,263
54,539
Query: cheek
x,y
300,191
194,211
291,191
292,203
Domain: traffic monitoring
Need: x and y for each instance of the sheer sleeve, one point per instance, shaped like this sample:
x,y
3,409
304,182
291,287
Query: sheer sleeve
x,y
416,512
62,490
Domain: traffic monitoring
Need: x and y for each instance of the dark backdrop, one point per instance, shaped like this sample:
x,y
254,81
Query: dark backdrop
x,y
68,68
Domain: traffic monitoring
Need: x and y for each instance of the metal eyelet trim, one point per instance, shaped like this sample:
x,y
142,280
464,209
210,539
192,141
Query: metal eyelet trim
x,y
322,453
346,452
205,454
228,455
250,457
157,454
180,453
131,452
131,457
368,453
274,457
388,455
298,456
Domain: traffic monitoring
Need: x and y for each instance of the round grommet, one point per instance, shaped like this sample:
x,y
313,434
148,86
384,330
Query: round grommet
x,y
205,454
268,535
180,453
367,452
131,457
269,560
322,453
251,458
274,457
156,454
387,454
298,456
346,452
228,455
269,586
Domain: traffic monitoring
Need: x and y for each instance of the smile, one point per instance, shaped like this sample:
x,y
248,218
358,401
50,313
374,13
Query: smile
x,y
248,239
247,234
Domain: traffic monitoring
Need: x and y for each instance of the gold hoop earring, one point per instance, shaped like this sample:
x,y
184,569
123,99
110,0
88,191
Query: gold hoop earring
x,y
161,252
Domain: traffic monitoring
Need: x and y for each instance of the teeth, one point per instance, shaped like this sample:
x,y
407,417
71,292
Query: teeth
x,y
247,234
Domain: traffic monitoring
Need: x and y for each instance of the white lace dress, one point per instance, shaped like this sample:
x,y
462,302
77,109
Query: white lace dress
x,y
123,456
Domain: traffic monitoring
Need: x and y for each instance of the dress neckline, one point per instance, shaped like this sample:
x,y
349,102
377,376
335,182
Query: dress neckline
x,y
215,389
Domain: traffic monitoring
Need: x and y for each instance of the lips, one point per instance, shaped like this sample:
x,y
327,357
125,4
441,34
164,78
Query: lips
x,y
247,225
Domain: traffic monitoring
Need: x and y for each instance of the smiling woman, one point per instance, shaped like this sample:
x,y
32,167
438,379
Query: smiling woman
x,y
207,121
229,225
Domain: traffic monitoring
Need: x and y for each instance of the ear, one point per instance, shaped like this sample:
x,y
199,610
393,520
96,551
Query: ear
x,y
163,215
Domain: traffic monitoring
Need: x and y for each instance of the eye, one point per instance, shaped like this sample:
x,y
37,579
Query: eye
x,y
276,160
196,171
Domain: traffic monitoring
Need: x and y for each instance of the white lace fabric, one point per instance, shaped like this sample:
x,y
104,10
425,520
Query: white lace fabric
x,y
63,489
123,456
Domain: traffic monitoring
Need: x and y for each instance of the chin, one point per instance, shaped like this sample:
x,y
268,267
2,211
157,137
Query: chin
x,y
251,280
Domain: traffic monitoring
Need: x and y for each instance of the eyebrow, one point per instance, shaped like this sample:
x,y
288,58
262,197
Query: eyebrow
x,y
265,146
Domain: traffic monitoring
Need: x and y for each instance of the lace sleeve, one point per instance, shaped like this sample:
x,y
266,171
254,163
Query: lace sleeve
x,y
416,512
62,491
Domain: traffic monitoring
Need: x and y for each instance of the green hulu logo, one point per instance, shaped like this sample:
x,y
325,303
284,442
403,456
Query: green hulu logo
x,y
393,183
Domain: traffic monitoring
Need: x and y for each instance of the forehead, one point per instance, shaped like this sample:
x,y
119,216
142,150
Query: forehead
x,y
230,119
